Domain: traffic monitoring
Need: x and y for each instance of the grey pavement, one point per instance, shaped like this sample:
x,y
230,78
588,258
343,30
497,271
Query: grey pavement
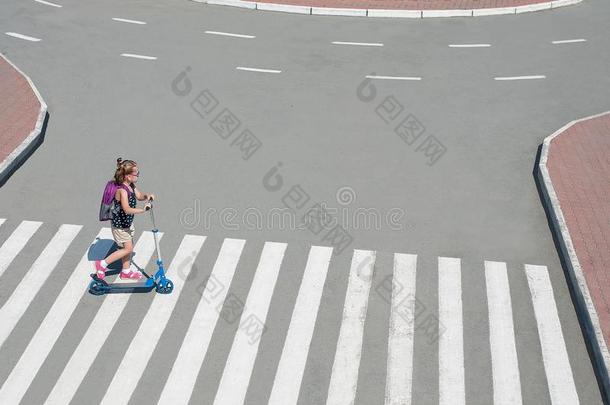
x,y
477,202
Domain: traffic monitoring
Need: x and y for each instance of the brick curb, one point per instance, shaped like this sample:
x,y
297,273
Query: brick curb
x,y
26,147
394,13
585,307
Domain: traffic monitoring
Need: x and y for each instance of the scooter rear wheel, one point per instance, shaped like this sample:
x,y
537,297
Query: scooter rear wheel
x,y
97,288
166,289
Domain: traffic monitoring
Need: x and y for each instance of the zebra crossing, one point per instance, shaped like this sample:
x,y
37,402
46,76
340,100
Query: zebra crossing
x,y
401,334
289,373
344,377
181,381
237,370
88,348
506,383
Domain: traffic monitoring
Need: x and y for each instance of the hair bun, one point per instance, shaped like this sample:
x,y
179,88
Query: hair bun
x,y
118,161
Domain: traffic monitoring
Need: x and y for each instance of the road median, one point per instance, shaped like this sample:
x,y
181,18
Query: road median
x,y
574,177
397,8
23,115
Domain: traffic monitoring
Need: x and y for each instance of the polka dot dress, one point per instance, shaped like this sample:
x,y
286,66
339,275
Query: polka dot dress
x,y
122,220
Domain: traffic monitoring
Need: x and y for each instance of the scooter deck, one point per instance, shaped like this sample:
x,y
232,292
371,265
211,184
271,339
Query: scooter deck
x,y
127,286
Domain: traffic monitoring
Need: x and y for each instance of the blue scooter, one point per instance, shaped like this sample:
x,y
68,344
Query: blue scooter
x,y
159,282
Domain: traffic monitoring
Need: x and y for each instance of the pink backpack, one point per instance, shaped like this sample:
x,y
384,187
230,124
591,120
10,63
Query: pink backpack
x,y
107,211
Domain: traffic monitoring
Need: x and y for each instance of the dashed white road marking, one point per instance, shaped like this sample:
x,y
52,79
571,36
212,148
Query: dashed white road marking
x,y
228,34
393,77
128,21
469,45
133,55
258,70
521,77
21,36
357,43
48,3
568,41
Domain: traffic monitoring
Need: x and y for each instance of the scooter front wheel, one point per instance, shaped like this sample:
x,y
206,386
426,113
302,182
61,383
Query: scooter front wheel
x,y
167,288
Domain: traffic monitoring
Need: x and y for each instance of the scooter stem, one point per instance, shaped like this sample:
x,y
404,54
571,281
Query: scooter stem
x,y
159,260
155,231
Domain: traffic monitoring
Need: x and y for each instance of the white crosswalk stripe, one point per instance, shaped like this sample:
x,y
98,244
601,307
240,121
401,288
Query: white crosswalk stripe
x,y
179,386
344,377
402,324
289,373
19,301
47,334
451,342
505,367
238,368
554,353
97,333
145,341
291,370
16,242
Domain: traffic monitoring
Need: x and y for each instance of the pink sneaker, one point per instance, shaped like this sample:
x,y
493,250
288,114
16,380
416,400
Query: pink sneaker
x,y
100,271
132,275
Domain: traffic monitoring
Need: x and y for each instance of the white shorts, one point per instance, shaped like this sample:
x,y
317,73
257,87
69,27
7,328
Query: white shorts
x,y
122,235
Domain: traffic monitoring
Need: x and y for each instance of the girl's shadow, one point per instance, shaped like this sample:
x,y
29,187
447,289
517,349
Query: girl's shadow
x,y
101,248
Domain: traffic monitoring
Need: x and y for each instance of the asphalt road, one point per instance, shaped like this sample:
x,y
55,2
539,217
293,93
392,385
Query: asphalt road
x,y
477,202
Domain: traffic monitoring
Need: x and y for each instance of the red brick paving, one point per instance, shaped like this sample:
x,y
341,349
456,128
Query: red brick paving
x,y
407,4
579,167
19,109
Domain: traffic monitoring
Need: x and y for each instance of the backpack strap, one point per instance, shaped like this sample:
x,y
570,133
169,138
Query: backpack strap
x,y
124,187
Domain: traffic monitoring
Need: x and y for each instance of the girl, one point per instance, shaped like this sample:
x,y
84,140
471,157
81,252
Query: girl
x,y
126,176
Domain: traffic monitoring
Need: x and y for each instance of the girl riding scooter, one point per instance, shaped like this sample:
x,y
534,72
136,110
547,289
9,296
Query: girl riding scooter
x,y
125,176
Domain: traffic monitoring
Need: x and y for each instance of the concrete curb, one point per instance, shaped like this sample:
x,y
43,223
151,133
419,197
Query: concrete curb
x,y
396,13
533,7
446,13
21,152
231,3
285,8
584,304
349,12
373,12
